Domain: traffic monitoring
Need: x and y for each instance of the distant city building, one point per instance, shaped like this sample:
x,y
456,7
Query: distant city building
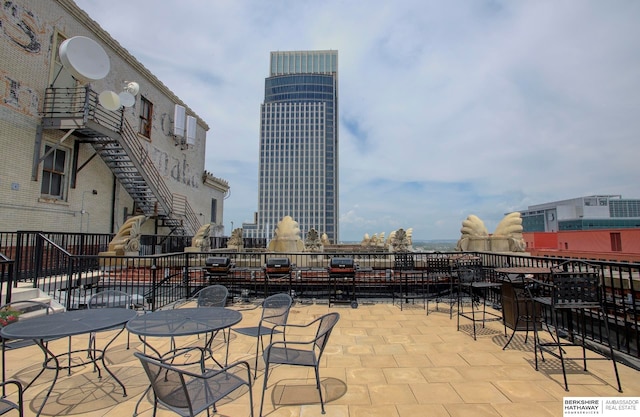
x,y
583,213
298,170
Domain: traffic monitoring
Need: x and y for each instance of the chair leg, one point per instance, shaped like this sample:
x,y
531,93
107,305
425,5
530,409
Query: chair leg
x,y
264,387
613,358
319,389
255,369
554,319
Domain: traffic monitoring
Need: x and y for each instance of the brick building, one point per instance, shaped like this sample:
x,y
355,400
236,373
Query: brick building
x,y
70,164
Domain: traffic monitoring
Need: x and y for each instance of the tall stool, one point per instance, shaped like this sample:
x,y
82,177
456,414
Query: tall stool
x,y
473,282
575,287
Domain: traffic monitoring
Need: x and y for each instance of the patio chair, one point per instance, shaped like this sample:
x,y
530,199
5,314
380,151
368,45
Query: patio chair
x,y
301,353
187,392
474,284
212,296
575,289
440,282
275,312
22,310
109,299
7,405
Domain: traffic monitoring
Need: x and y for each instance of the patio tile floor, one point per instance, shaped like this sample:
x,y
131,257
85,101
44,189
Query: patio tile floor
x,y
380,361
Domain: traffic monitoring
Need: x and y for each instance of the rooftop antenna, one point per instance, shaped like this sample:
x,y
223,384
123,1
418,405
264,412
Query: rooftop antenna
x,y
128,95
85,59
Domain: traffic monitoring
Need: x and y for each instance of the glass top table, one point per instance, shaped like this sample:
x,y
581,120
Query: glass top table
x,y
67,324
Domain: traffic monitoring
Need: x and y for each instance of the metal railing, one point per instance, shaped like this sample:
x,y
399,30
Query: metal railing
x,y
57,267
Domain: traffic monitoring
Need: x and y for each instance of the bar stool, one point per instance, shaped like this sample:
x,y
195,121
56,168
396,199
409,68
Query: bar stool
x,y
473,282
575,287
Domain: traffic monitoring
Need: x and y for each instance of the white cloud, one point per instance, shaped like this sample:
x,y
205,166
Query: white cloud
x,y
447,108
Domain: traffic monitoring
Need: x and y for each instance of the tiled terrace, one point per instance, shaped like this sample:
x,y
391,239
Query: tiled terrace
x,y
380,361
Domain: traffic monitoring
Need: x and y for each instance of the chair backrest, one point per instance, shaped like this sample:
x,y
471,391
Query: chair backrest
x,y
438,265
403,261
576,289
110,299
468,275
213,296
275,309
325,327
167,382
23,310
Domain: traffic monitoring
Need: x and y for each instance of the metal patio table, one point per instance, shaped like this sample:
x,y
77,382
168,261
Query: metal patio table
x,y
183,322
67,324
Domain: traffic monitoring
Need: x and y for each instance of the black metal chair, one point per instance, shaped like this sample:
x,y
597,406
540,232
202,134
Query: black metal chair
x,y
109,299
440,282
410,281
22,310
212,296
574,291
301,353
7,405
474,284
275,313
187,392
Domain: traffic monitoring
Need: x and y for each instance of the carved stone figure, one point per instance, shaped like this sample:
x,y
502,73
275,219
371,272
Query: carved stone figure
x,y
127,240
325,240
287,237
507,237
313,243
200,241
399,241
235,240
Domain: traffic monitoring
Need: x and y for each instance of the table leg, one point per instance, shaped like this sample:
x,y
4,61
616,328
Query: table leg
x,y
49,356
104,351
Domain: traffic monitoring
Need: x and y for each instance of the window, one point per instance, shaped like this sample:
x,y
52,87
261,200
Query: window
x,y
616,242
214,210
146,113
53,172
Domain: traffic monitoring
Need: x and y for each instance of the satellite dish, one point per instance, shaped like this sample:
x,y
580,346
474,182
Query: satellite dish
x,y
132,88
109,100
84,59
127,99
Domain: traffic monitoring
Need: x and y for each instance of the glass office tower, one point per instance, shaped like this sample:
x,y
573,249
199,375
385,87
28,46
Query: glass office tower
x,y
298,172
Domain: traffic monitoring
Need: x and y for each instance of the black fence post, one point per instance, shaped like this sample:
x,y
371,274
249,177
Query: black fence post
x,y
185,277
154,286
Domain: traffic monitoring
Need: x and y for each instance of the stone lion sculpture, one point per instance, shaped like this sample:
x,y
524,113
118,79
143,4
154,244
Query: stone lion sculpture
x,y
200,240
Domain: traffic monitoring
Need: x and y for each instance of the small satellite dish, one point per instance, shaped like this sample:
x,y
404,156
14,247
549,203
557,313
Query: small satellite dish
x,y
132,88
109,100
84,58
127,99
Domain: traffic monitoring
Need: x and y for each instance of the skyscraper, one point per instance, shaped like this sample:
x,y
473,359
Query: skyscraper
x,y
298,171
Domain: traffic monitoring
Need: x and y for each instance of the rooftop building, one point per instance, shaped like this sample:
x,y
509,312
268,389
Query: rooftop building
x,y
583,213
298,168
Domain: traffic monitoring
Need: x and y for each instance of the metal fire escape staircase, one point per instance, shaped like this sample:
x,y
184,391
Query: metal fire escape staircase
x,y
116,142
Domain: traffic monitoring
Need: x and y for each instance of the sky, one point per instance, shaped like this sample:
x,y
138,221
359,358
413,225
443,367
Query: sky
x,y
446,108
